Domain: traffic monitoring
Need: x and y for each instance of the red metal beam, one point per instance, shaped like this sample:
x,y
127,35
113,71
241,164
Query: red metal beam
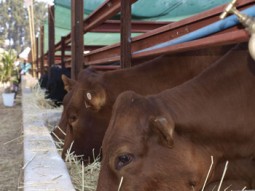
x,y
86,47
232,37
107,67
100,67
227,38
108,54
63,46
42,50
37,56
68,59
51,40
77,37
114,27
136,26
125,37
107,10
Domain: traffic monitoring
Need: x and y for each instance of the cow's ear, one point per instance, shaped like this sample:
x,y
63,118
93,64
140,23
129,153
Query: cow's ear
x,y
164,129
68,83
96,98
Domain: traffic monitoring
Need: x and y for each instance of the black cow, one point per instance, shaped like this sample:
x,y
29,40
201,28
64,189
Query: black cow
x,y
43,81
55,87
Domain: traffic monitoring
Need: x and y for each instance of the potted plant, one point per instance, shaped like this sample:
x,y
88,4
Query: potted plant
x,y
8,76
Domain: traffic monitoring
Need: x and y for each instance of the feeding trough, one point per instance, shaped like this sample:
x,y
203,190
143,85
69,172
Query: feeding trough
x,y
43,167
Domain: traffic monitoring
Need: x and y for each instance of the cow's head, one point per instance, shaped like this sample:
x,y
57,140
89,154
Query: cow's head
x,y
142,146
55,90
86,115
59,131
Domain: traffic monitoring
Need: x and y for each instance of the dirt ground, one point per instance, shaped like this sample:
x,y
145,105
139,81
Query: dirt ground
x,y
11,146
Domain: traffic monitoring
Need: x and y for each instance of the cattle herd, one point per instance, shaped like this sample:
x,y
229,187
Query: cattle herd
x,y
53,84
159,124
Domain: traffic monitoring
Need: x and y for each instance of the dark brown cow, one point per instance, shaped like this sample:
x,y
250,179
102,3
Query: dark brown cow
x,y
60,131
164,142
88,112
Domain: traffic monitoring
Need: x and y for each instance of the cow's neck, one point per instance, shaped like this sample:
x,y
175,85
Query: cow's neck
x,y
146,78
162,72
217,108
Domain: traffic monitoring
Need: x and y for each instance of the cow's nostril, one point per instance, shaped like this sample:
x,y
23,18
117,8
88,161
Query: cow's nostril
x,y
72,118
192,185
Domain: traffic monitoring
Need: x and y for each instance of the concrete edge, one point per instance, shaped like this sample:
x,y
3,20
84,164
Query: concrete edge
x,y
43,167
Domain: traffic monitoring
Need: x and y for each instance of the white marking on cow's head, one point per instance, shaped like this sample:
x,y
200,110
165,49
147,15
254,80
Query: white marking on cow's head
x,y
95,98
89,96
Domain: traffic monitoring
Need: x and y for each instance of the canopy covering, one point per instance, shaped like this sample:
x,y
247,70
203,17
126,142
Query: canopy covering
x,y
152,10
155,9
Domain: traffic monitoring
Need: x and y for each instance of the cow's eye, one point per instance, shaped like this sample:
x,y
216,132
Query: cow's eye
x,y
123,160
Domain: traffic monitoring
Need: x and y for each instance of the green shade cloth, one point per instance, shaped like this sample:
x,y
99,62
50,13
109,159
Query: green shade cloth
x,y
151,10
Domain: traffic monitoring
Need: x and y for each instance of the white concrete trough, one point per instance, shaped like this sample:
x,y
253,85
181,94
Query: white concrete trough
x,y
44,169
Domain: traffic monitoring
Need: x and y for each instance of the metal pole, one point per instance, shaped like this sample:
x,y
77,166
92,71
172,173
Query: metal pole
x,y
125,55
77,37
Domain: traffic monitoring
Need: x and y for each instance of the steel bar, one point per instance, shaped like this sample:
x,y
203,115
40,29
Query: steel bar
x,y
77,37
164,33
125,46
227,38
51,40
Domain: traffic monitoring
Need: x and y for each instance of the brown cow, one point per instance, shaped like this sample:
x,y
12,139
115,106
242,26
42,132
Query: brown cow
x,y
164,142
60,131
88,112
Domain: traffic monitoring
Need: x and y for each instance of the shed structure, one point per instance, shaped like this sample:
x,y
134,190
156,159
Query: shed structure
x,y
151,23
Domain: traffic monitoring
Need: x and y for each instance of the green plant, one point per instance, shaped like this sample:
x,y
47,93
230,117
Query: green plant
x,y
8,71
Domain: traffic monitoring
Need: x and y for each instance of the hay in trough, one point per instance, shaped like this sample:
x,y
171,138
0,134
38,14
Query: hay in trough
x,y
39,98
84,178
